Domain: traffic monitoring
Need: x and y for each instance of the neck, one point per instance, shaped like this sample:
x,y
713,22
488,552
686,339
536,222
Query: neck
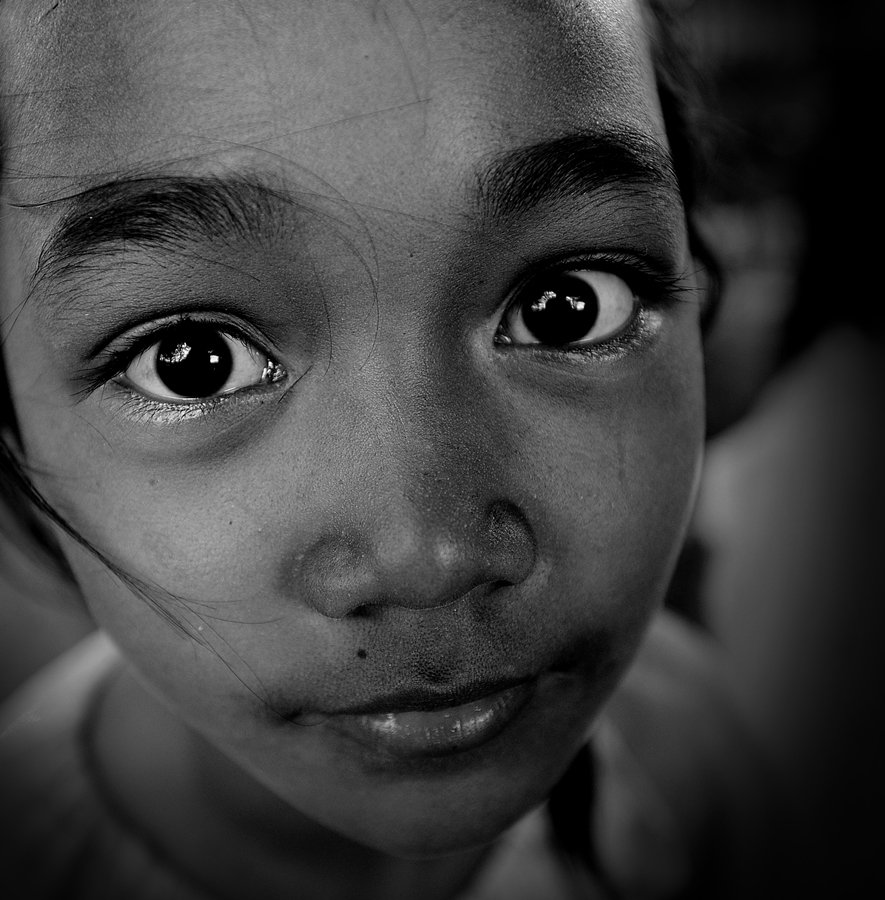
x,y
223,831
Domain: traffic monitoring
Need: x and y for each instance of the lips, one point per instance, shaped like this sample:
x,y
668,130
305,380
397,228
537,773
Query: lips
x,y
444,712
425,723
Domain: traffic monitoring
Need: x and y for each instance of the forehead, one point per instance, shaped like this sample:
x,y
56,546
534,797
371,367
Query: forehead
x,y
367,97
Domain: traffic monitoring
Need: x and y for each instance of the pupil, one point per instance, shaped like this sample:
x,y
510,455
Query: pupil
x,y
563,312
194,361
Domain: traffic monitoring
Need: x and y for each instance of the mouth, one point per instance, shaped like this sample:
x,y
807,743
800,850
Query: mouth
x,y
425,723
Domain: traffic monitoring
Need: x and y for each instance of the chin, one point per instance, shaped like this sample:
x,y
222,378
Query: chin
x,y
441,839
454,821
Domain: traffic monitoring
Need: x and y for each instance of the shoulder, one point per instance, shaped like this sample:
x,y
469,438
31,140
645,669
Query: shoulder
x,y
675,699
44,804
40,724
684,794
58,838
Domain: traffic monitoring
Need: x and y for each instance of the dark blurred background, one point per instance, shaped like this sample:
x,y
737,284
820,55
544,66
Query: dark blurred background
x,y
785,560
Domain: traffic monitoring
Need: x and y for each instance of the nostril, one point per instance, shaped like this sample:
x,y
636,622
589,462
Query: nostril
x,y
513,548
364,611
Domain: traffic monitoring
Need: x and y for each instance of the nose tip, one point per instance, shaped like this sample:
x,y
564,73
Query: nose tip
x,y
411,562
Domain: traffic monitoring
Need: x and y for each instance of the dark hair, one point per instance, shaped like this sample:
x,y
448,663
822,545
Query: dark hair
x,y
679,89
685,105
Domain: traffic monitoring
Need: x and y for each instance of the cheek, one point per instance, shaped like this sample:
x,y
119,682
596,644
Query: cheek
x,y
201,654
190,546
618,477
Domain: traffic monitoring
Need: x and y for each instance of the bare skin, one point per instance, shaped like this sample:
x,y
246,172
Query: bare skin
x,y
410,494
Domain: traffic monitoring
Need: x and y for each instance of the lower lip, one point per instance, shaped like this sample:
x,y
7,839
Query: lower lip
x,y
442,731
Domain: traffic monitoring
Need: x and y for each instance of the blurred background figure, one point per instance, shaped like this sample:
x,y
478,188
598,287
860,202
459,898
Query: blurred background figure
x,y
785,561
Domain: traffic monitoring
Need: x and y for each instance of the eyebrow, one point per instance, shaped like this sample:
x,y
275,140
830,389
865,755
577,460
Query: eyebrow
x,y
567,167
174,211
162,211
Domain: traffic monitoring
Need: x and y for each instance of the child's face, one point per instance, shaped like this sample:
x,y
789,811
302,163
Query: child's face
x,y
336,378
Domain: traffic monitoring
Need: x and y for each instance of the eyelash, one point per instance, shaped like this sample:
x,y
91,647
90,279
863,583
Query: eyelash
x,y
137,405
653,282
139,408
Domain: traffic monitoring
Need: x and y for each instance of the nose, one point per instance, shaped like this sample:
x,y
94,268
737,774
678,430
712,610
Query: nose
x,y
417,555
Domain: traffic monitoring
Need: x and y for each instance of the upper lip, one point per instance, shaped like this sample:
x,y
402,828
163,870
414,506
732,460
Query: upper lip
x,y
431,698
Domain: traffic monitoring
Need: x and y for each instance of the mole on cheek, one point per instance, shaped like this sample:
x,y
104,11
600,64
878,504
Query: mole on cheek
x,y
361,653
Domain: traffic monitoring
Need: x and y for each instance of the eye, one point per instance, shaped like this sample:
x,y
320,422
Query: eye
x,y
575,308
193,361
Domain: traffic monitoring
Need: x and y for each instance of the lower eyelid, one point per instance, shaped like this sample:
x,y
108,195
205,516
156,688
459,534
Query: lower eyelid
x,y
638,335
130,403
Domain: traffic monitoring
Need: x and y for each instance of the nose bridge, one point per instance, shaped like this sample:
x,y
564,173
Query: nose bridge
x,y
420,519
429,434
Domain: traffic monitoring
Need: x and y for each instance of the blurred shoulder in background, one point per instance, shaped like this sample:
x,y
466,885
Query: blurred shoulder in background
x,y
784,562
